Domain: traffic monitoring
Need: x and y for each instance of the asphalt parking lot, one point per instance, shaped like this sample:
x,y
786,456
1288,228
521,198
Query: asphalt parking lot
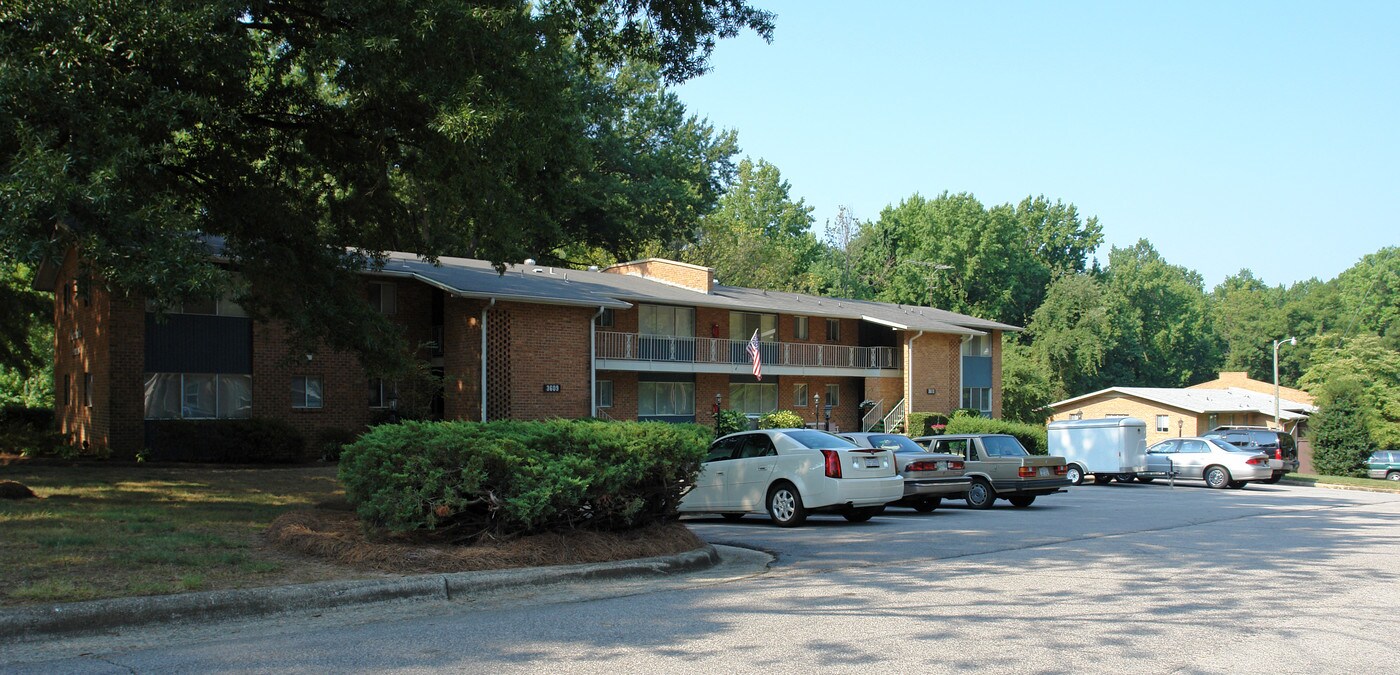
x,y
1119,578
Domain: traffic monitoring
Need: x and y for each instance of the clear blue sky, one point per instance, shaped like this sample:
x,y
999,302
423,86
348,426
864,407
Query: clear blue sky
x,y
1229,134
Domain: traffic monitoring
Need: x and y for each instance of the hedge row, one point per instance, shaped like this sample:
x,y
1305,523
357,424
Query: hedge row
x,y
467,480
250,441
1032,436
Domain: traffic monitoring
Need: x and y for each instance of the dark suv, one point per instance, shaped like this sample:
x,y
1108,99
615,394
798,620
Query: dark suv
x,y
1278,445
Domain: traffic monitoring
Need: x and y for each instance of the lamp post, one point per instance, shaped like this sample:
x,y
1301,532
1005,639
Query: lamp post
x,y
717,402
1287,340
816,410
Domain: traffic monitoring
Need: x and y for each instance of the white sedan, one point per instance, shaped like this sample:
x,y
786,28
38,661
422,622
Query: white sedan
x,y
790,473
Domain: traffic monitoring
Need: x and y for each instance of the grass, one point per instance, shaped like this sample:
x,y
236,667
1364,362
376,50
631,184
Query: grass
x,y
1370,483
104,531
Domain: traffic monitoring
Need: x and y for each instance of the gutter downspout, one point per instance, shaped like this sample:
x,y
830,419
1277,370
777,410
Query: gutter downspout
x,y
483,356
909,378
593,364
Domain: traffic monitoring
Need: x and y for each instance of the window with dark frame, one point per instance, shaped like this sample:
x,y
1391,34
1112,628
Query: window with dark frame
x,y
381,393
1162,423
308,392
605,393
383,297
607,319
799,330
833,330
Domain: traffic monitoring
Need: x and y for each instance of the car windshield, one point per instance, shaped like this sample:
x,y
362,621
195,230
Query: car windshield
x,y
1003,446
1222,445
893,442
811,438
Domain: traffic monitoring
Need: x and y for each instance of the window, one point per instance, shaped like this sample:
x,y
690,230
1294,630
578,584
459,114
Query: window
x,y
383,296
743,324
664,320
67,390
1213,421
383,394
87,390
1076,416
799,395
67,298
307,392
606,319
753,398
833,330
198,396
977,398
605,393
1162,424
665,399
799,329
833,395
977,345
219,307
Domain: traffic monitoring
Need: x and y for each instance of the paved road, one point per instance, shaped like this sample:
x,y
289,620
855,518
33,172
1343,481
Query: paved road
x,y
1121,578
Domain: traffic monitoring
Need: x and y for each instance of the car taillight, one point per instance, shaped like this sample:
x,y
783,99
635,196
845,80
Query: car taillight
x,y
1026,472
1278,453
833,463
1256,461
957,466
922,466
1062,470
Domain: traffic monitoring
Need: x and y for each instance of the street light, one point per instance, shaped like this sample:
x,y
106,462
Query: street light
x,y
717,402
936,267
1291,341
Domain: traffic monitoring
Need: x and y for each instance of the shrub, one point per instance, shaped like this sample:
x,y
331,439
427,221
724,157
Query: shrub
x,y
927,423
1340,434
1031,436
27,431
781,419
730,421
467,480
331,441
250,441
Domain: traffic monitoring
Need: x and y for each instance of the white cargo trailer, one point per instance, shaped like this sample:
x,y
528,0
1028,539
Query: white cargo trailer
x,y
1114,447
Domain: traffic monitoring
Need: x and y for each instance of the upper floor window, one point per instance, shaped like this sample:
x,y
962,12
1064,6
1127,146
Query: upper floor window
x,y
743,324
221,307
833,330
799,330
606,319
977,345
383,296
666,320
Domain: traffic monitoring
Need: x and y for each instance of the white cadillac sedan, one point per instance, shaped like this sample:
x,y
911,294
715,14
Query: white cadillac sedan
x,y
790,473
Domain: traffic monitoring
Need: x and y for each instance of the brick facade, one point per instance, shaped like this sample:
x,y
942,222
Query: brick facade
x,y
685,275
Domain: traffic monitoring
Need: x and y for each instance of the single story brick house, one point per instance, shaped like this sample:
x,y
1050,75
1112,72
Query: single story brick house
x,y
649,339
1184,412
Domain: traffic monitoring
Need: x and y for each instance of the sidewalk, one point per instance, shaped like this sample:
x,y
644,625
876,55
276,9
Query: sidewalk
x,y
71,619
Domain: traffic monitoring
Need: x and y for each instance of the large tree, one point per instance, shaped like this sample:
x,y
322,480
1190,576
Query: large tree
x,y
312,135
1363,363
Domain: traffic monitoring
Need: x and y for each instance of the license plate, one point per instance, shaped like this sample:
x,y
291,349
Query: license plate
x,y
1044,471
872,462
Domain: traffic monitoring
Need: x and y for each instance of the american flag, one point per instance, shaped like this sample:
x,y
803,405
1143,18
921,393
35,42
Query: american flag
x,y
757,359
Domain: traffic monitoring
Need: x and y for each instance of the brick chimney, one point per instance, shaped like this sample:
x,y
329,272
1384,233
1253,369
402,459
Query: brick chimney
x,y
684,275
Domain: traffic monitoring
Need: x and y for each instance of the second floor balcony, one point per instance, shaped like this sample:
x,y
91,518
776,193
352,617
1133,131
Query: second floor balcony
x,y
630,351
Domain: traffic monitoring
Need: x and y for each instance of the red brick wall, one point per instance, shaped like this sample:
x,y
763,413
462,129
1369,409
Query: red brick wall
x,y
936,364
549,346
996,374
681,274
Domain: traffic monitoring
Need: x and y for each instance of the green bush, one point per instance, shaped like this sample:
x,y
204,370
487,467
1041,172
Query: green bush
x,y
467,480
781,419
730,421
1340,435
250,441
331,441
27,430
1031,436
927,423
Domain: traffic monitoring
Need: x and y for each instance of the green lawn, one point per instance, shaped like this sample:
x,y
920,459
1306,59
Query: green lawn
x,y
104,531
1372,483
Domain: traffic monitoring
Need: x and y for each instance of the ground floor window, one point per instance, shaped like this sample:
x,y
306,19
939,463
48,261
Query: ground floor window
x,y
753,398
665,399
605,393
1162,423
198,396
383,394
978,398
307,392
799,395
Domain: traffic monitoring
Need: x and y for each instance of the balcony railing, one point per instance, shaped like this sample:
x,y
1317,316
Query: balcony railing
x,y
634,347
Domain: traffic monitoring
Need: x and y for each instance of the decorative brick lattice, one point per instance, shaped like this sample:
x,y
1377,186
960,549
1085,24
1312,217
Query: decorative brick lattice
x,y
498,371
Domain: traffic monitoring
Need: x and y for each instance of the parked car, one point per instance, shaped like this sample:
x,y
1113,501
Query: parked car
x,y
1219,464
1278,445
790,473
1384,464
999,468
928,476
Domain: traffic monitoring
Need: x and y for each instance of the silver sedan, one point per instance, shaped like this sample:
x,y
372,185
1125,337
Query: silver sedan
x,y
928,476
1212,460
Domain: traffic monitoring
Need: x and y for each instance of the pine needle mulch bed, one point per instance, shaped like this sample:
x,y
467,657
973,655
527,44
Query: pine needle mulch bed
x,y
109,530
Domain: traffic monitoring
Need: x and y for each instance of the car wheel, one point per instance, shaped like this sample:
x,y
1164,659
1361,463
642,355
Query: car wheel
x,y
1021,501
1145,479
1075,474
1217,477
863,514
1102,479
927,505
980,494
1393,475
1125,477
731,517
785,506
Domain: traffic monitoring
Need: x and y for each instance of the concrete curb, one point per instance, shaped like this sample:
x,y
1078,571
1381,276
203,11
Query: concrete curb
x,y
76,618
1338,486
